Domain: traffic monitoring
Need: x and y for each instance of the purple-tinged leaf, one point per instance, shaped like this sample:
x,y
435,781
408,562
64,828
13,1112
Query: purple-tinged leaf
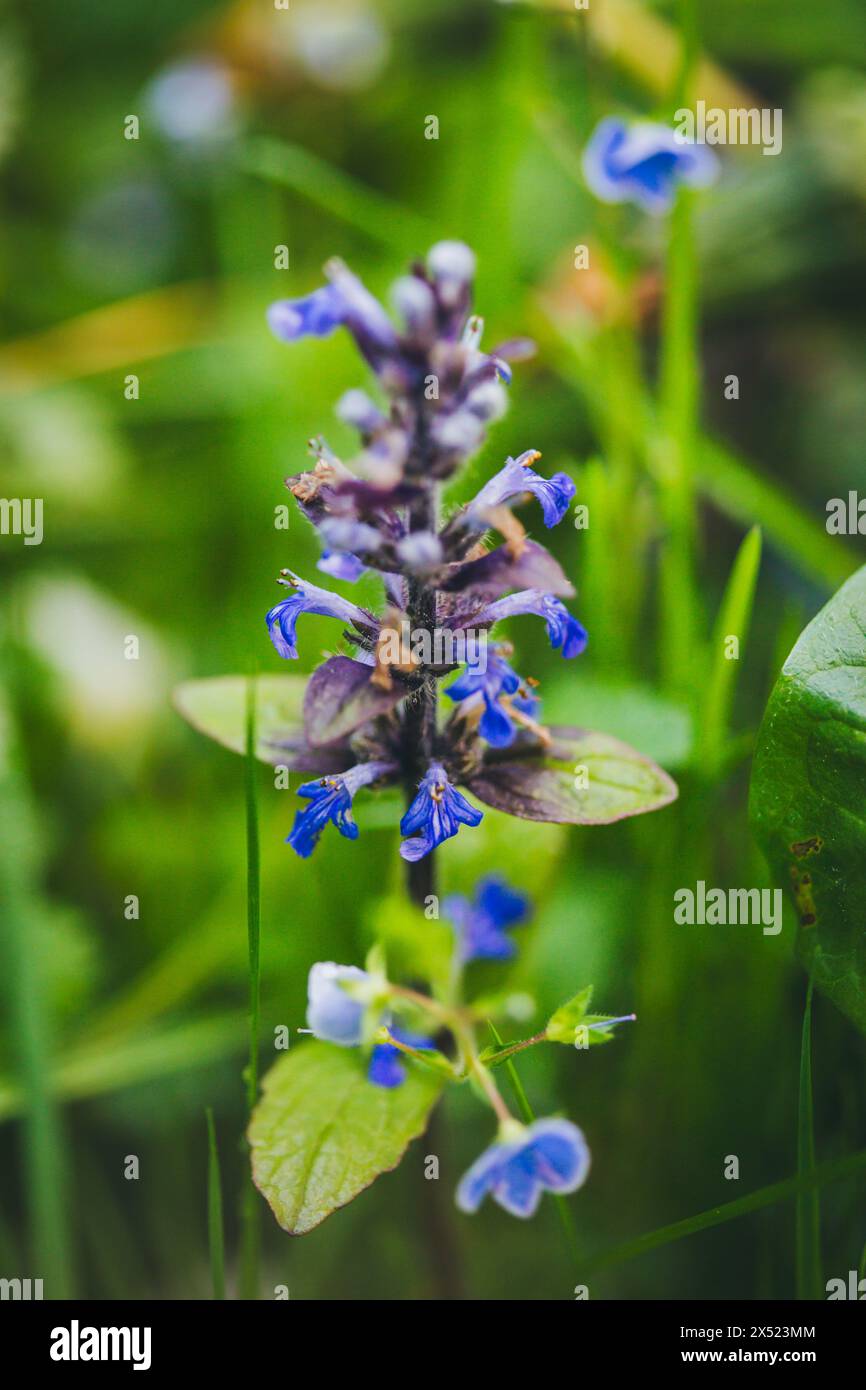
x,y
341,697
583,778
490,576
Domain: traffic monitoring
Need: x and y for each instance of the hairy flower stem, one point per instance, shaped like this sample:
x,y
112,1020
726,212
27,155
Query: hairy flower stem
x,y
419,721
476,1068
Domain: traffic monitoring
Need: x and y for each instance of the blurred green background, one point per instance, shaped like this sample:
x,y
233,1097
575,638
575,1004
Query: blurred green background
x,y
155,257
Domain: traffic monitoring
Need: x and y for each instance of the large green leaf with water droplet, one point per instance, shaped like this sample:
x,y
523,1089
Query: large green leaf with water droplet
x,y
808,795
322,1132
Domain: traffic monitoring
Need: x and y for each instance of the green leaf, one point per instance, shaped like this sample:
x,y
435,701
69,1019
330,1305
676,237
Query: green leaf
x,y
584,779
217,707
322,1132
561,1026
808,794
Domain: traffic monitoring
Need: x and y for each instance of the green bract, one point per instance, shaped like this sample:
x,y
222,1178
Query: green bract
x,y
572,1023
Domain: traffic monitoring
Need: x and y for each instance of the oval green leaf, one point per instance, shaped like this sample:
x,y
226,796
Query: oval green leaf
x,y
322,1132
217,707
808,794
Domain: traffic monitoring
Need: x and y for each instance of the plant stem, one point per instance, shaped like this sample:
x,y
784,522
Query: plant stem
x,y
215,1212
419,720
519,1047
419,743
808,1221
253,893
566,1220
679,408
466,1037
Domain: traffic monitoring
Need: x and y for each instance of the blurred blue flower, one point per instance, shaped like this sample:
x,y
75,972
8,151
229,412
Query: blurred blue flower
x,y
549,1156
436,814
481,923
315,315
644,163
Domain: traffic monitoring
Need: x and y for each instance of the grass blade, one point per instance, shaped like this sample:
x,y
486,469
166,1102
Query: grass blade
x,y
810,1283
385,222
253,893
43,1156
733,621
822,1175
216,1240
251,1212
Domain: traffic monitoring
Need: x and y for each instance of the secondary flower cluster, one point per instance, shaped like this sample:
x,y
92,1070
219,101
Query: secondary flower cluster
x,y
370,718
348,1006
337,1016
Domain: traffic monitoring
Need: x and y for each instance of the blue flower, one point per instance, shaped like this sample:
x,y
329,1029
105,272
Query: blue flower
x,y
342,538
345,300
517,476
387,1064
549,1156
282,618
333,1015
482,923
315,315
436,814
364,316
331,800
563,630
643,163
341,564
501,690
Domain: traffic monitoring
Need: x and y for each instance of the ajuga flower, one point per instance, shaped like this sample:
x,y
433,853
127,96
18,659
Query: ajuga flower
x,y
331,800
492,687
516,477
436,814
548,1156
644,163
441,579
372,714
